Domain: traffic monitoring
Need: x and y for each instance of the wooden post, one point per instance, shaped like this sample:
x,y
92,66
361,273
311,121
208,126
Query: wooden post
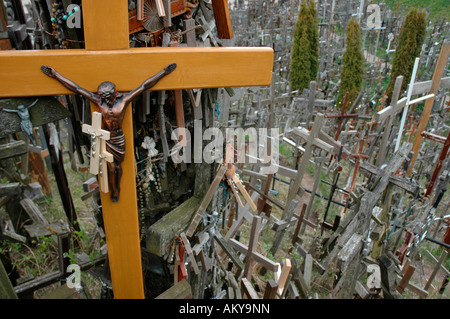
x,y
390,120
252,245
438,167
223,20
6,288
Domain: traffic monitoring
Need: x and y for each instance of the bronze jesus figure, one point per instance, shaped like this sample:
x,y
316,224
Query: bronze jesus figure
x,y
112,105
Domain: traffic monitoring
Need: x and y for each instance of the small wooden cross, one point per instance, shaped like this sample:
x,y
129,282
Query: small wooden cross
x,y
358,157
251,254
229,172
99,156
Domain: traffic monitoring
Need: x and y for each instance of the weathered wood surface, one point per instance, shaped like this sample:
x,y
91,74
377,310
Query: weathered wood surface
x,y
12,149
160,234
181,290
6,288
47,110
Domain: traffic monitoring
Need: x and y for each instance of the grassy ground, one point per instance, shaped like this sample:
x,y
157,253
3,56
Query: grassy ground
x,y
39,256
438,9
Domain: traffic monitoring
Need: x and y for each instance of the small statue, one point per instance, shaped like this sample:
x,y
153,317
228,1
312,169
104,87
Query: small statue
x,y
150,145
112,105
25,121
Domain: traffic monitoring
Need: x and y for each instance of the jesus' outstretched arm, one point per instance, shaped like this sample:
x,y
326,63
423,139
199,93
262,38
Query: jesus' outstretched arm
x,y
69,84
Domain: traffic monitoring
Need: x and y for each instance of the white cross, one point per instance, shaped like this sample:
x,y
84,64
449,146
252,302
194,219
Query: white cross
x,y
409,102
99,155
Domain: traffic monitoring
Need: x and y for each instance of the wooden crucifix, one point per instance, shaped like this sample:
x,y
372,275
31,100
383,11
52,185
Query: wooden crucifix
x,y
112,106
108,56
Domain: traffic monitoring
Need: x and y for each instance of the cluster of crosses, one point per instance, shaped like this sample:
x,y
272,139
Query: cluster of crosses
x,y
111,75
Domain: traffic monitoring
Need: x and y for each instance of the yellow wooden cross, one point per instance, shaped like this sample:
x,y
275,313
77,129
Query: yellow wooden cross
x,y
108,57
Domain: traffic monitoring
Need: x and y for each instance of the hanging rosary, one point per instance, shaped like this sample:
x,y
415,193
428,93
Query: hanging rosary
x,y
58,18
151,170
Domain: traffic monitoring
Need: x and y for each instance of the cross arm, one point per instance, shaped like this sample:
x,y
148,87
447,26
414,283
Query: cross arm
x,y
304,133
403,183
390,110
196,68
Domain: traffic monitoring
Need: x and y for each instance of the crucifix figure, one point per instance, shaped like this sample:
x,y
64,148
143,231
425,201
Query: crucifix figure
x,y
25,122
112,105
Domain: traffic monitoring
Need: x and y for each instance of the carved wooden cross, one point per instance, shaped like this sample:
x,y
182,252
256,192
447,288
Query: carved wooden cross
x,y
99,155
108,56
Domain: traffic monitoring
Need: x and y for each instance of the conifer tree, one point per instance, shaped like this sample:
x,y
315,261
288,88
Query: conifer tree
x,y
410,41
352,74
313,36
305,50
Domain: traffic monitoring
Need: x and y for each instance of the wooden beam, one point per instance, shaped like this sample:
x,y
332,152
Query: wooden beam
x,y
222,18
6,288
248,290
21,74
121,222
110,19
181,290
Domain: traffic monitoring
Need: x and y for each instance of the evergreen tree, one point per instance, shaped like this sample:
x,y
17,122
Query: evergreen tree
x,y
352,74
305,50
412,35
313,36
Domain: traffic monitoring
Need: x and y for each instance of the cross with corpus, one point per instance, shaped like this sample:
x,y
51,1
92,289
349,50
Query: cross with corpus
x,y
107,56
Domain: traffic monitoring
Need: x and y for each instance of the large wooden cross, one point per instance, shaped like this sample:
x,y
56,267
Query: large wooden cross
x,y
312,139
107,56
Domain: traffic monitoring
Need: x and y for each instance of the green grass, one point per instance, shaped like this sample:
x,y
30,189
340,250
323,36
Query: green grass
x,y
437,8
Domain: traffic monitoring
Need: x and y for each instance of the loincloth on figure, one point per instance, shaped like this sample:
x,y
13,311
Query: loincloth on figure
x,y
116,145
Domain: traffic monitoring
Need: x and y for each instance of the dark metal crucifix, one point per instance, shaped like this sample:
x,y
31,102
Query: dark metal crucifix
x,y
112,105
